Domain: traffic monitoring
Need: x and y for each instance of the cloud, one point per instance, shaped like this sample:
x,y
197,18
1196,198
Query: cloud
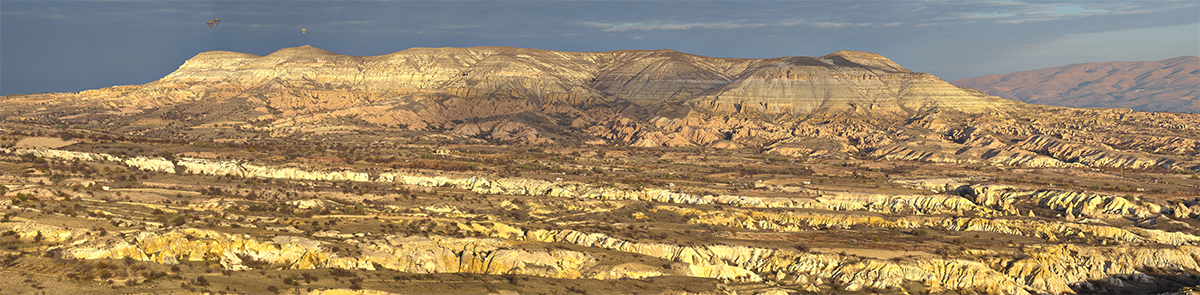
x,y
454,27
351,22
870,14
35,15
1019,12
659,26
656,26
829,25
951,36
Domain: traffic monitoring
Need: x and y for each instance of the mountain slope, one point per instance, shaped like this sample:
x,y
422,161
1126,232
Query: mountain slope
x,y
845,104
837,81
1167,85
507,170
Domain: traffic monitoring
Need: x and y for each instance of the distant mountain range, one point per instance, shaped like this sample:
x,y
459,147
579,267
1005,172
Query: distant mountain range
x,y
1171,85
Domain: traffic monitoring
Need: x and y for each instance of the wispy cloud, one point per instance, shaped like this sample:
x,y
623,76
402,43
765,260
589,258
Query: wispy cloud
x,y
38,15
829,24
351,22
661,26
656,26
455,27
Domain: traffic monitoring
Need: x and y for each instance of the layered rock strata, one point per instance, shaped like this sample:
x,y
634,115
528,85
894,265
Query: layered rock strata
x,y
844,80
982,200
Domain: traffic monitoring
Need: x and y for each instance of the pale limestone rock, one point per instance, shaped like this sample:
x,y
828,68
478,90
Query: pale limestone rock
x,y
151,164
350,292
624,271
66,155
317,203
1091,205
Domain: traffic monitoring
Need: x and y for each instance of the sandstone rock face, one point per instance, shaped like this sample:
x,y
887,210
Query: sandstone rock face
x,y
1165,85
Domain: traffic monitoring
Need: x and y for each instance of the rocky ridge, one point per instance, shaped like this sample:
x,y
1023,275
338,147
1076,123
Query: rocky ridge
x,y
985,200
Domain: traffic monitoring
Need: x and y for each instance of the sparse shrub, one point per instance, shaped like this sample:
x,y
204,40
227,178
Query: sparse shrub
x,y
576,289
338,272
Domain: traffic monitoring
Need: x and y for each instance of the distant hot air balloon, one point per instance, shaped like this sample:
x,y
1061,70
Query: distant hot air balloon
x,y
216,21
210,23
302,31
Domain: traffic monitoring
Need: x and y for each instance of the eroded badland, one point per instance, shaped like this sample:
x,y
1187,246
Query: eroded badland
x,y
507,170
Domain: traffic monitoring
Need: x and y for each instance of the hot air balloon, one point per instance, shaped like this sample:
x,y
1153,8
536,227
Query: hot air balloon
x,y
210,23
216,21
302,31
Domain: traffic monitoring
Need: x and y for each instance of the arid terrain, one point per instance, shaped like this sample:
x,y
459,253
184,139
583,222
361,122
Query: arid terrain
x,y
1169,85
496,170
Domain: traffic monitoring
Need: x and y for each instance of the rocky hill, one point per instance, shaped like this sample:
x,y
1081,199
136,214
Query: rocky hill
x,y
836,105
795,85
497,170
423,87
1169,85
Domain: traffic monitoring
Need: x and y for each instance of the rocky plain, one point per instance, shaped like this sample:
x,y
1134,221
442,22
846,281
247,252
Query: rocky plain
x,y
497,170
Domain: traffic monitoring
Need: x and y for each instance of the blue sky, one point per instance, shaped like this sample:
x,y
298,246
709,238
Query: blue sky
x,y
60,46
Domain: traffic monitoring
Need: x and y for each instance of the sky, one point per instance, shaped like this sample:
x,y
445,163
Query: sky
x,y
66,46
